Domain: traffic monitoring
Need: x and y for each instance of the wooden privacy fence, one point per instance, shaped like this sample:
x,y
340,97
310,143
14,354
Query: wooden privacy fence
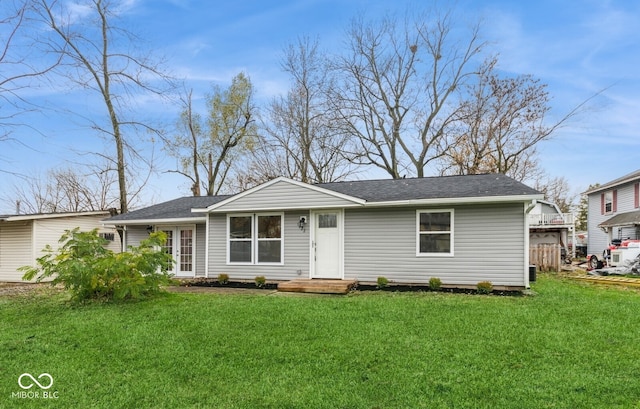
x,y
546,257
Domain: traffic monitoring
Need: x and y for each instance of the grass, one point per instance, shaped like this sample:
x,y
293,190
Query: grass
x,y
572,345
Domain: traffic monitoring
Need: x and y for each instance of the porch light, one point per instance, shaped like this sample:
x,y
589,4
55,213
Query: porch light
x,y
302,223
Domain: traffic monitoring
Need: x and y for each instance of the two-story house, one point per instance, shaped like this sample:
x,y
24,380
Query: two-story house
x,y
613,214
548,225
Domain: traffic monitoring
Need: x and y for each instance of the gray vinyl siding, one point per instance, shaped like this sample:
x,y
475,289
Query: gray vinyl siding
x,y
16,249
284,195
489,243
296,251
200,245
135,234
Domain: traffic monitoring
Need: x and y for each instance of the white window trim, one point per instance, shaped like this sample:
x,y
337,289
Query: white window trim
x,y
255,240
451,232
229,240
608,200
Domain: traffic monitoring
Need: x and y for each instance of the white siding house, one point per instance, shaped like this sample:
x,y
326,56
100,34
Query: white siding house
x,y
613,213
23,237
548,225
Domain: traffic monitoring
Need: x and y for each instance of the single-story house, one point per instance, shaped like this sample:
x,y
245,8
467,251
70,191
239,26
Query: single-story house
x,y
461,229
24,236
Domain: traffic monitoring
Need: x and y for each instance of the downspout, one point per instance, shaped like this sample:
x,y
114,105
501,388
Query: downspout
x,y
527,210
124,238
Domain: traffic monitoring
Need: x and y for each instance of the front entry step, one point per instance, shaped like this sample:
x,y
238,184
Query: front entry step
x,y
317,286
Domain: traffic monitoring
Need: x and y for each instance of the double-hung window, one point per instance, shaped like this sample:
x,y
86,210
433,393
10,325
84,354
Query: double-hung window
x,y
608,202
255,239
434,232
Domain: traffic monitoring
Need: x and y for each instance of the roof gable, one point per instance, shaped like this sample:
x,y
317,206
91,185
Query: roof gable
x,y
283,193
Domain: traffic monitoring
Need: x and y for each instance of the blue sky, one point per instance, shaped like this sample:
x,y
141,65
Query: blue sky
x,y
577,47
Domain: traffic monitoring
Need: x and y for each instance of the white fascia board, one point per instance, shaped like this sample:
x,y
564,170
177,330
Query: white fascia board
x,y
632,177
280,208
53,215
355,200
457,200
182,220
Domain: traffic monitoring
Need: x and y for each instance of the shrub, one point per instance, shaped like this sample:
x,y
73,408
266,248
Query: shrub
x,y
382,282
260,281
84,266
223,278
484,287
435,283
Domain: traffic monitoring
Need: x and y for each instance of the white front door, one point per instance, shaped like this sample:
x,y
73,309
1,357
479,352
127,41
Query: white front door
x,y
180,244
326,248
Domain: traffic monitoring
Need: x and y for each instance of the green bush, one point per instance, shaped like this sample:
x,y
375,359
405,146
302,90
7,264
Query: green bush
x,y
484,287
223,278
89,270
260,281
435,283
382,282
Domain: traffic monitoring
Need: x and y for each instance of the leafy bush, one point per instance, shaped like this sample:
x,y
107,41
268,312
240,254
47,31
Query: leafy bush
x,y
484,287
382,282
223,278
89,270
435,283
260,281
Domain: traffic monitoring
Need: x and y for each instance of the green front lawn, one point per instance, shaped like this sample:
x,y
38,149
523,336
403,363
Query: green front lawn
x,y
572,345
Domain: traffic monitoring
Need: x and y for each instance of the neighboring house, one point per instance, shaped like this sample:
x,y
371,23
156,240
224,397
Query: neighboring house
x,y
24,236
461,229
613,213
548,225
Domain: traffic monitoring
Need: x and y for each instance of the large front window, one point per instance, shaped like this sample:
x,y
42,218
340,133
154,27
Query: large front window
x,y
255,239
435,232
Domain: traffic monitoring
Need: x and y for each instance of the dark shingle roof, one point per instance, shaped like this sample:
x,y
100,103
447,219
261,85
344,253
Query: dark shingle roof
x,y
382,190
174,209
468,186
622,219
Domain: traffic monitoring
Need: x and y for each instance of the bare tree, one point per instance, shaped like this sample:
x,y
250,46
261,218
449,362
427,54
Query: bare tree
x,y
397,89
86,188
215,148
97,56
558,191
185,145
500,123
266,161
300,128
22,64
